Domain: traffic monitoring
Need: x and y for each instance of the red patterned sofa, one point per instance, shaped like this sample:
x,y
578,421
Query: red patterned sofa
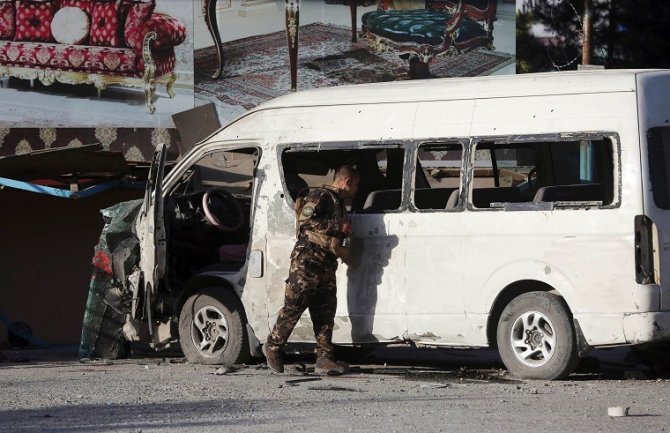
x,y
99,42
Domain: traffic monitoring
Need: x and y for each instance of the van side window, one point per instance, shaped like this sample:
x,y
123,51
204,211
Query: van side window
x,y
380,170
438,175
658,148
564,173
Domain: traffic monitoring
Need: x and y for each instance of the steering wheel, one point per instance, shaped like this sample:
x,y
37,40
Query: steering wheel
x,y
223,210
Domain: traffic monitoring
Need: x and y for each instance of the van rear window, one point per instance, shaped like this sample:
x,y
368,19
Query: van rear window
x,y
658,149
564,173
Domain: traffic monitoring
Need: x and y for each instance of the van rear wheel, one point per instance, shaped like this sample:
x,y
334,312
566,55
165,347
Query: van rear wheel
x,y
535,337
212,328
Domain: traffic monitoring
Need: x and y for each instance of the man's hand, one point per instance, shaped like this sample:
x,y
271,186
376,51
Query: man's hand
x,y
345,226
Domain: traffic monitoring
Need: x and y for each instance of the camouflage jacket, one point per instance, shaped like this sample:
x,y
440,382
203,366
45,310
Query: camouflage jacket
x,y
320,211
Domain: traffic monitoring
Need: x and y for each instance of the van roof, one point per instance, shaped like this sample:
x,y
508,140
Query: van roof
x,y
551,83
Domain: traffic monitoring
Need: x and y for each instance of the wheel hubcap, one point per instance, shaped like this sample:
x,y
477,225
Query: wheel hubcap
x,y
533,339
209,331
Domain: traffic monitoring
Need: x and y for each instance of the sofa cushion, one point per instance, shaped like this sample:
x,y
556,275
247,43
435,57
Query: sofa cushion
x,y
138,14
85,5
70,26
74,58
144,8
422,26
105,24
7,20
33,20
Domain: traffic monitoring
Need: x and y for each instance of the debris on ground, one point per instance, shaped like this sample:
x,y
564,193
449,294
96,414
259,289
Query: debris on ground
x,y
435,385
226,369
295,382
332,388
616,411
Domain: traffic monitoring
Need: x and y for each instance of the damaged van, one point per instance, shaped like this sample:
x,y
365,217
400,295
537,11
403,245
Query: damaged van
x,y
529,213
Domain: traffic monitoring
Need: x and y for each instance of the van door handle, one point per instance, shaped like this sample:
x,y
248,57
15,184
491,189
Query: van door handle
x,y
255,269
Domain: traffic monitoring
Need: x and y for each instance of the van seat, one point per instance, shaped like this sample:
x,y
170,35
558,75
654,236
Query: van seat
x,y
432,198
576,192
388,199
453,200
483,197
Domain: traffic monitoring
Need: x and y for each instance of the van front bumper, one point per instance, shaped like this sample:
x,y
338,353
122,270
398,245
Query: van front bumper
x,y
646,327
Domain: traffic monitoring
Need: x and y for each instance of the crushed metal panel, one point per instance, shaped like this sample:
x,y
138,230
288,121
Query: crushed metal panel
x,y
647,327
112,287
87,161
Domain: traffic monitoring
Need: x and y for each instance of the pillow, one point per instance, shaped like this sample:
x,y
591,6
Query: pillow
x,y
7,25
70,26
124,8
33,20
85,5
138,14
105,24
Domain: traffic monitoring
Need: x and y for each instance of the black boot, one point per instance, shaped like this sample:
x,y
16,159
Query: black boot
x,y
326,365
274,358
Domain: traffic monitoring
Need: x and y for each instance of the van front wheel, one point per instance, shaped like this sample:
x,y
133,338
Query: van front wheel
x,y
535,337
212,329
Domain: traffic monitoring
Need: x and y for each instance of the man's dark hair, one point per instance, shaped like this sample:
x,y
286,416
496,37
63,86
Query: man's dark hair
x,y
344,172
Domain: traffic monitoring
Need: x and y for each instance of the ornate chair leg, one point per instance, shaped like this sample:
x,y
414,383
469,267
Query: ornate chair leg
x,y
149,92
149,77
170,84
418,69
292,30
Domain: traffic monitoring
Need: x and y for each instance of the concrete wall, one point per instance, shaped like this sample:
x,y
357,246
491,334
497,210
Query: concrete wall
x,y
46,246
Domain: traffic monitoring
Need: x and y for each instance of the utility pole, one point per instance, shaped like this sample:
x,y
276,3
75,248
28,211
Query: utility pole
x,y
588,26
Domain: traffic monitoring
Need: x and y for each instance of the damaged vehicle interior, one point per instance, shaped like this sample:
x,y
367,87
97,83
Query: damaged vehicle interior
x,y
380,169
207,215
542,174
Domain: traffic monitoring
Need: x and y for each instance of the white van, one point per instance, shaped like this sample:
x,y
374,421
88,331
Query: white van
x,y
526,212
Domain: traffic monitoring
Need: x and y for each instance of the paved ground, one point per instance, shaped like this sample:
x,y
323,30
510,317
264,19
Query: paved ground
x,y
390,390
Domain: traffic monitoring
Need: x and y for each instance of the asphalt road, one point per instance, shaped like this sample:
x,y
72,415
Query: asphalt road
x,y
389,390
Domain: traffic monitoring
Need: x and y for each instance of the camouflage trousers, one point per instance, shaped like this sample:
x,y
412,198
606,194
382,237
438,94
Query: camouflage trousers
x,y
310,285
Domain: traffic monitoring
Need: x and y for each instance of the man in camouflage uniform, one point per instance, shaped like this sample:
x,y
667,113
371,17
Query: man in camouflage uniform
x,y
322,227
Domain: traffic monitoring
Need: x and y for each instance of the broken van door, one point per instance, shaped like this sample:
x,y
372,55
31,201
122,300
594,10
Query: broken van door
x,y
652,257
150,228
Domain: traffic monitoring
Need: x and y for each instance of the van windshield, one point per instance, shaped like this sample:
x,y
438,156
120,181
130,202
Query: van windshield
x,y
658,149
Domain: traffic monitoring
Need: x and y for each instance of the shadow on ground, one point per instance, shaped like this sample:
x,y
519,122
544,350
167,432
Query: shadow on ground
x,y
417,363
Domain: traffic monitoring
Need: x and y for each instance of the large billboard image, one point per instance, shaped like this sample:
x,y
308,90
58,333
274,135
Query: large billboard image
x,y
248,52
86,63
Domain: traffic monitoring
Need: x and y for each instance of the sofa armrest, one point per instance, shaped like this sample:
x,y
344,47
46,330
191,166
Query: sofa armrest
x,y
169,31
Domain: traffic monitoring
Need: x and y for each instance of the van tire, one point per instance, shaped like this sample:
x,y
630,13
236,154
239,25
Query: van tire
x,y
212,328
538,324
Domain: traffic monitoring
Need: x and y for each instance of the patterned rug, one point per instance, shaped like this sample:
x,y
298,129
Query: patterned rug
x,y
257,68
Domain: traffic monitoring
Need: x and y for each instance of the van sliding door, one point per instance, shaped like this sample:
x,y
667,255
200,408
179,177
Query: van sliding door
x,y
436,228
371,288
